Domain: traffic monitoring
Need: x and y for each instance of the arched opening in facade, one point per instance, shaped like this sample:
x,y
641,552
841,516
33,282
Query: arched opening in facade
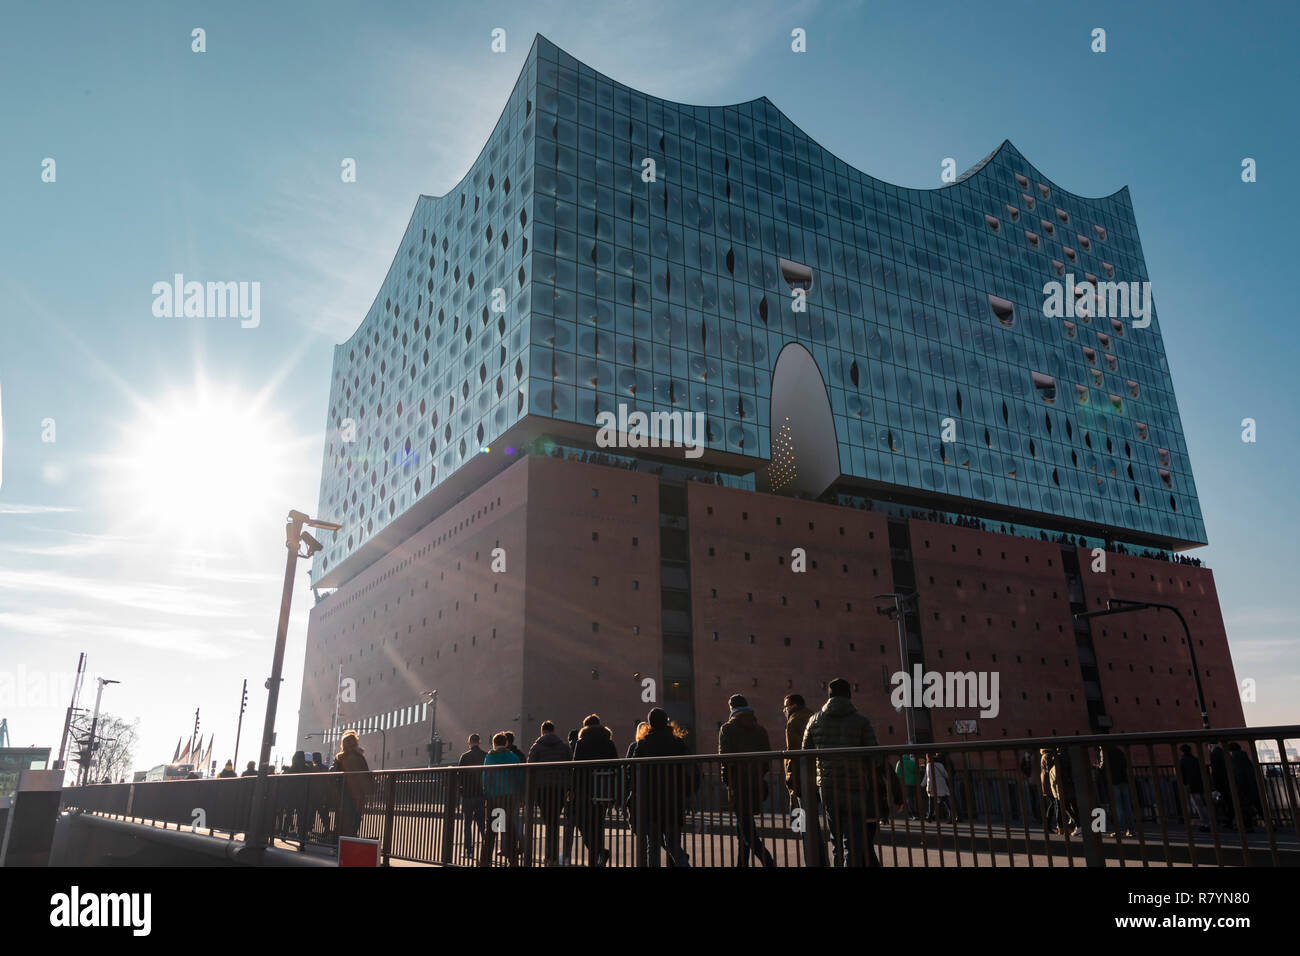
x,y
805,454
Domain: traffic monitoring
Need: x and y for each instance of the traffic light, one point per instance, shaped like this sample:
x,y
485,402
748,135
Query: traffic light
x,y
435,750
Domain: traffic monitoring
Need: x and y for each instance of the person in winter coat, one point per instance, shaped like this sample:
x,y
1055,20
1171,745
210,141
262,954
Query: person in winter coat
x,y
745,780
590,802
1114,765
323,798
250,770
629,784
936,788
1190,772
1243,775
1028,771
905,770
665,789
472,806
1063,790
797,715
853,789
1051,806
549,786
566,851
1222,789
228,770
357,785
500,793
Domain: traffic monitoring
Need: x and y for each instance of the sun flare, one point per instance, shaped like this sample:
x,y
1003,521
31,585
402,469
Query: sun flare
x,y
202,466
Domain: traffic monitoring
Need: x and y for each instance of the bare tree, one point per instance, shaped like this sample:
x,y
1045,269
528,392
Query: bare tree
x,y
115,753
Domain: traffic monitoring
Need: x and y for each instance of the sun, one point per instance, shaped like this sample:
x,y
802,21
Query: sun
x,y
204,465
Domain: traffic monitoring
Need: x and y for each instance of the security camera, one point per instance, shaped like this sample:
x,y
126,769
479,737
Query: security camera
x,y
312,544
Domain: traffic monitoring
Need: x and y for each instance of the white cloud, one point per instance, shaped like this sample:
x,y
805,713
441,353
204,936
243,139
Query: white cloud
x,y
10,508
157,598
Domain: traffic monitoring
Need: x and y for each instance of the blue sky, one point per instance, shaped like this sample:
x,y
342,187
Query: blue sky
x,y
225,166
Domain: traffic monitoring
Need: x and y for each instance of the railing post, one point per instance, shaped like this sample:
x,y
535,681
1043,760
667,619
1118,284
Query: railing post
x,y
528,813
1084,802
451,789
814,845
641,857
390,805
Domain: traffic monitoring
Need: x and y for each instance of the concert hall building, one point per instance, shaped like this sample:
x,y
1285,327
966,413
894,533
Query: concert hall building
x,y
888,401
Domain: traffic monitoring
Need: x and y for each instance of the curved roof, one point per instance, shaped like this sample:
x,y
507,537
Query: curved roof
x,y
764,103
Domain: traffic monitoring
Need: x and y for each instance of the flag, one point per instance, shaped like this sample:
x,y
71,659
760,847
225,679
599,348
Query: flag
x,y
177,755
207,754
184,754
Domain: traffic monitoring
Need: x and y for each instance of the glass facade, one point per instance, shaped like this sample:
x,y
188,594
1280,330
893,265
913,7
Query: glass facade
x,y
559,280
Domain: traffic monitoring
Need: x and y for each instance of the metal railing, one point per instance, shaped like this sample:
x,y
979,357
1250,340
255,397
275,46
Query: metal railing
x,y
848,806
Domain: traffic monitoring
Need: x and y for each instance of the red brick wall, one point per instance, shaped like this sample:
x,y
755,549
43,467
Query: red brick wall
x,y
1146,672
843,637
430,615
575,582
995,602
508,650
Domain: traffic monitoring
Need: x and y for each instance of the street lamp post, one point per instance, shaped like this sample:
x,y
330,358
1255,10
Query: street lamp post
x,y
294,535
239,728
94,724
1118,606
432,697
897,612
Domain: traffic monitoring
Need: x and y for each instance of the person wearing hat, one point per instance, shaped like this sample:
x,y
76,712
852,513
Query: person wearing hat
x,y
744,780
589,801
549,787
228,770
665,789
852,788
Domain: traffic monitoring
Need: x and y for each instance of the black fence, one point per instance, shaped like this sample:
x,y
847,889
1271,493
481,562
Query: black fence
x,y
1117,800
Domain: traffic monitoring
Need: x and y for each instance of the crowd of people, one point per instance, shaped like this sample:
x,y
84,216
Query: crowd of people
x,y
853,791
1112,785
838,796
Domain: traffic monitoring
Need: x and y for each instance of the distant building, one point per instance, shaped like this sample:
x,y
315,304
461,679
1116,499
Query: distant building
x,y
886,401
14,760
